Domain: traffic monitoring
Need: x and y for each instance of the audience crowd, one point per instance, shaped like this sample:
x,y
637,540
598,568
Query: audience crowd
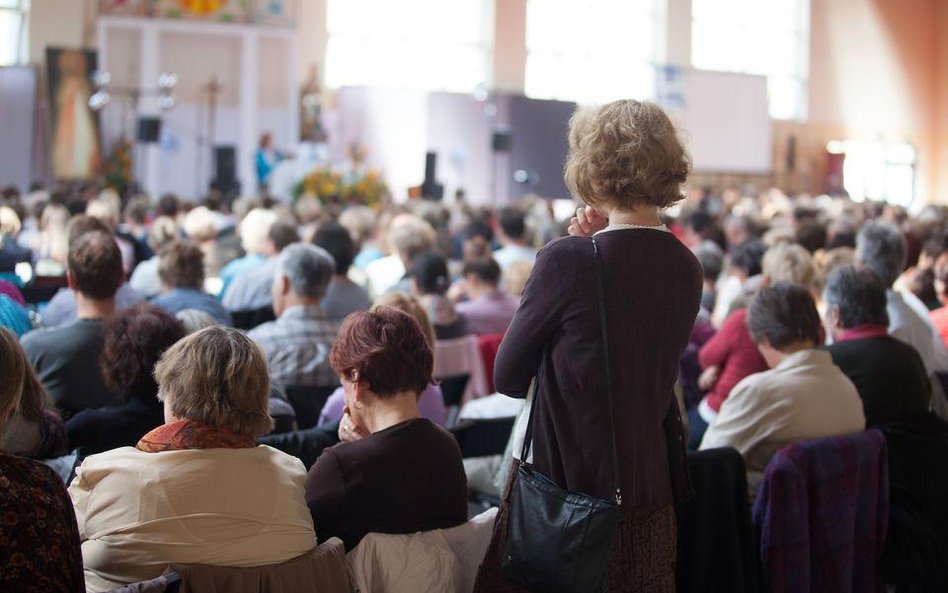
x,y
178,336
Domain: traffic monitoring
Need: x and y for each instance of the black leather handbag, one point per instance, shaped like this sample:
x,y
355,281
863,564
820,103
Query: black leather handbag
x,y
560,541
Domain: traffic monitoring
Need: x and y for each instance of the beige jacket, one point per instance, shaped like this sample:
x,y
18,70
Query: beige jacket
x,y
139,512
806,396
443,560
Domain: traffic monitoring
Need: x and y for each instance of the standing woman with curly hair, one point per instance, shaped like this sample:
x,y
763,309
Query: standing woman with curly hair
x,y
626,164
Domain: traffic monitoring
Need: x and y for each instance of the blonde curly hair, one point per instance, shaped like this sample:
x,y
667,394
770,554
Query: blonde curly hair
x,y
627,154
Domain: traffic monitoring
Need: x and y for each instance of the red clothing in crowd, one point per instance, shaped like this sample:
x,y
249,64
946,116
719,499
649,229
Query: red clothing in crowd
x,y
940,319
735,353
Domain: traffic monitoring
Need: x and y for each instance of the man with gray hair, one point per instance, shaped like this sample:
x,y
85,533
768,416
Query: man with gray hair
x,y
880,247
297,344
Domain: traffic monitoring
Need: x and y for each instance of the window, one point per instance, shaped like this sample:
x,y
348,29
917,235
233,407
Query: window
x,y
767,38
592,51
426,44
13,31
877,171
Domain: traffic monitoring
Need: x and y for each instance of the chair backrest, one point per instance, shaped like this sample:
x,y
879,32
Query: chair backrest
x,y
306,444
916,554
452,389
248,319
821,513
483,437
322,570
459,357
308,403
715,540
283,414
43,288
170,582
438,560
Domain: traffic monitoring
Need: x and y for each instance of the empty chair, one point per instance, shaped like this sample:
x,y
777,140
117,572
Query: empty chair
x,y
715,540
821,512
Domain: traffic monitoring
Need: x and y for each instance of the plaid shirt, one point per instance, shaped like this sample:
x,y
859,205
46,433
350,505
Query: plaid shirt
x,y
297,347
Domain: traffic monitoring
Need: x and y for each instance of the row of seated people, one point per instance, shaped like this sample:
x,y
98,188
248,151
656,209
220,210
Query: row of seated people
x,y
296,344
782,305
197,489
770,382
239,261
384,482
722,353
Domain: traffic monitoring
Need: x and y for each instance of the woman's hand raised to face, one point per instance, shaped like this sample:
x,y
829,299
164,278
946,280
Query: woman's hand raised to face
x,y
587,222
350,431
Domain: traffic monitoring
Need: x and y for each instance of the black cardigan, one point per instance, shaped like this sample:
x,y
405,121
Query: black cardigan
x,y
653,288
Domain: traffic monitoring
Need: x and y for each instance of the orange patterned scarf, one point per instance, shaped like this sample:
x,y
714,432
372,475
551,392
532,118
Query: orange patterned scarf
x,y
191,434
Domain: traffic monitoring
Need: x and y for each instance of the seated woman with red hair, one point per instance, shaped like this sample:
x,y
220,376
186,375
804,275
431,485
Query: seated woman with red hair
x,y
398,472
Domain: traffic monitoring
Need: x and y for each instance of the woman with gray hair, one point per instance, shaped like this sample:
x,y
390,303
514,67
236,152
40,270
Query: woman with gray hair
x,y
142,508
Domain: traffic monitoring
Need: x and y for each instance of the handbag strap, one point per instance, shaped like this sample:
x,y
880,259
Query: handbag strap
x,y
601,305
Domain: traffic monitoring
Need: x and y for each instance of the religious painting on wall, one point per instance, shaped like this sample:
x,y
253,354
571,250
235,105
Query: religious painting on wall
x,y
75,138
208,10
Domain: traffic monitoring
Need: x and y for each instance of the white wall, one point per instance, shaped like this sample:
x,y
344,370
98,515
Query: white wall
x,y
60,23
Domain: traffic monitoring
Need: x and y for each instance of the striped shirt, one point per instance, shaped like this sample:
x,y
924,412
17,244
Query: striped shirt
x,y
297,347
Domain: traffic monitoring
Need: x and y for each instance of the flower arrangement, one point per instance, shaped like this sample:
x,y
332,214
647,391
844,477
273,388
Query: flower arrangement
x,y
322,183
117,168
366,189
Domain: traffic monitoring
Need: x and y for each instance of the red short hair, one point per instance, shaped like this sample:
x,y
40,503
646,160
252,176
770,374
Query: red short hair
x,y
388,350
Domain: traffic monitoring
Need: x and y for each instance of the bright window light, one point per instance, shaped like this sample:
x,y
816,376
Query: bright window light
x,y
876,171
13,31
592,51
423,44
753,37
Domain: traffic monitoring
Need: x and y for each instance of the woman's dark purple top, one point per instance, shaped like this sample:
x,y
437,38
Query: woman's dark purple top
x,y
652,291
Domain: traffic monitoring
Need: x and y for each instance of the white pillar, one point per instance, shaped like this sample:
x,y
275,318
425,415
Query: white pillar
x,y
293,92
677,41
510,45
149,154
249,127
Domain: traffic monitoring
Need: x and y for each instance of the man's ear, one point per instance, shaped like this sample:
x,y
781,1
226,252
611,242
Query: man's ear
x,y
71,281
284,285
835,318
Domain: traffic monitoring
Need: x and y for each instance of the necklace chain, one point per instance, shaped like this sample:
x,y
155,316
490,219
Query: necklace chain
x,y
622,225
